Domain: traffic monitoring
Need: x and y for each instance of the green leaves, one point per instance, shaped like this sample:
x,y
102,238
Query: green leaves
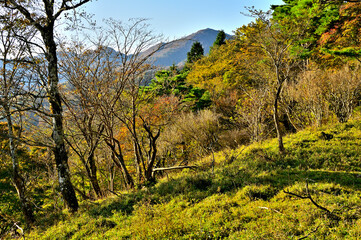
x,y
168,83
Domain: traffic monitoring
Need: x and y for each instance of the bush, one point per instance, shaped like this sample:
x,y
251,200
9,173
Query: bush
x,y
192,135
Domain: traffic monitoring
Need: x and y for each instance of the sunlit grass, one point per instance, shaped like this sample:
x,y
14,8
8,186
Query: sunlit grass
x,y
242,198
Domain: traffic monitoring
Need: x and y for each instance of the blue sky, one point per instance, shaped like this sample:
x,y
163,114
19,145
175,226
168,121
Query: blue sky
x,y
175,19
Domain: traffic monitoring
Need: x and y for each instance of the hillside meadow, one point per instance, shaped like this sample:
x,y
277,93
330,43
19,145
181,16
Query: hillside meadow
x,y
250,194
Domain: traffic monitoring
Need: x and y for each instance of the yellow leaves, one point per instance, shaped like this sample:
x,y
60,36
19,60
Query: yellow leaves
x,y
221,70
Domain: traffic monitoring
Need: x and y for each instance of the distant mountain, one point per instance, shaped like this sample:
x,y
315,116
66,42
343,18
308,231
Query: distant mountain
x,y
175,52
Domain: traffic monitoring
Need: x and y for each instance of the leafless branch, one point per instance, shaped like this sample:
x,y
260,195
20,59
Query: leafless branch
x,y
329,214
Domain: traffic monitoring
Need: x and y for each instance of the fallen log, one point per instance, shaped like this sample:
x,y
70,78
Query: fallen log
x,y
173,168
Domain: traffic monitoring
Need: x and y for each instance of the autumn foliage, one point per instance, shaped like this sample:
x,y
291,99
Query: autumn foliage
x,y
124,125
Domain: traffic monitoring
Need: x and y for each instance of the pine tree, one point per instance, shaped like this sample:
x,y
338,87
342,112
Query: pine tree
x,y
220,40
195,53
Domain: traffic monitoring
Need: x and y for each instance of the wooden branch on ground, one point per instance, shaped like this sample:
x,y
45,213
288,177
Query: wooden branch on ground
x,y
21,230
173,168
313,231
308,196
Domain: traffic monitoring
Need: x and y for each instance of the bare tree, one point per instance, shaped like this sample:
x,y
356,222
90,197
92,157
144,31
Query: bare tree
x,y
343,91
130,42
275,41
133,109
84,128
43,16
107,81
94,87
18,91
252,111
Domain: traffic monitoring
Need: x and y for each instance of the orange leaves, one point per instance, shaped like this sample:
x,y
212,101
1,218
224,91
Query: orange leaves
x,y
160,111
328,36
121,133
346,31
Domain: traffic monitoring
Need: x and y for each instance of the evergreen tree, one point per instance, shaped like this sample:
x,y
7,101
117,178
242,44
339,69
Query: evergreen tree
x,y
195,53
220,40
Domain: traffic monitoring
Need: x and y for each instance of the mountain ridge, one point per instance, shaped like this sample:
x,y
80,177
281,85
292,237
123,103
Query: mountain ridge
x,y
175,52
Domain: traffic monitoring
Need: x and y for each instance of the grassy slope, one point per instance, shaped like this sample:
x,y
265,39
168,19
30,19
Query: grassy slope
x,y
243,199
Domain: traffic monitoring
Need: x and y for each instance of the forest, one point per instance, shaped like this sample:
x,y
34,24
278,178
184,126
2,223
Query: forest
x,y
258,139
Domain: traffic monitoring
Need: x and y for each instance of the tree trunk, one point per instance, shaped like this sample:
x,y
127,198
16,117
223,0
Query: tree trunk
x,y
137,150
111,177
138,159
93,176
95,183
17,178
121,164
152,153
281,147
60,154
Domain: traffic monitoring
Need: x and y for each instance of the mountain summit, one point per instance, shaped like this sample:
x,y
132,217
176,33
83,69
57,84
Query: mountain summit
x,y
175,52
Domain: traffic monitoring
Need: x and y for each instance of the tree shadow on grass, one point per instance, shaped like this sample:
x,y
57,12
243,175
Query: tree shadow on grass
x,y
197,186
124,204
283,178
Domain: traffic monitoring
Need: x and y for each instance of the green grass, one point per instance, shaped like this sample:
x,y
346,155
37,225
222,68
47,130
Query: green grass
x,y
243,199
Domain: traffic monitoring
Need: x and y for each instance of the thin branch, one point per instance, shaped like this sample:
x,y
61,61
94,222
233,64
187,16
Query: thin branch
x,y
304,237
271,209
24,12
65,7
308,196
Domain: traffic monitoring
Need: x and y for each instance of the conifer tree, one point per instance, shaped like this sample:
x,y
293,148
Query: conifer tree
x,y
220,40
195,53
